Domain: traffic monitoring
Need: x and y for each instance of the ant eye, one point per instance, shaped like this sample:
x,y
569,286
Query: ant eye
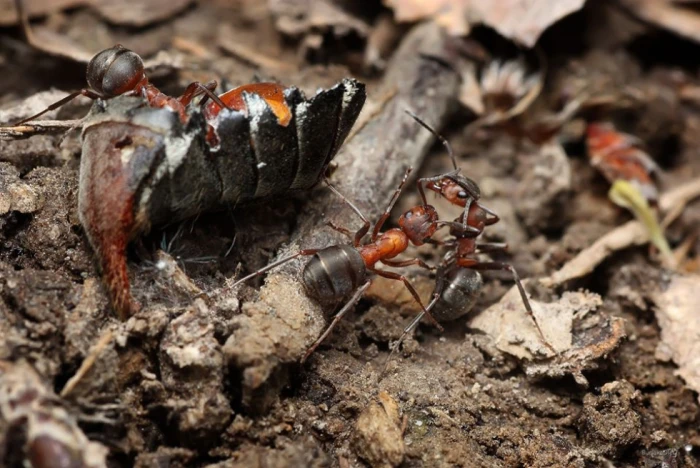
x,y
114,71
462,194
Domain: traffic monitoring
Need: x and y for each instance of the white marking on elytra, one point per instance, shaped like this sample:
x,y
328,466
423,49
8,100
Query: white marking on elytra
x,y
126,155
350,91
176,149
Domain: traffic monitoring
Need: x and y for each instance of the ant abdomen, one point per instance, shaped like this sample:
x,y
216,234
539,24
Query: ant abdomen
x,y
333,273
462,287
115,71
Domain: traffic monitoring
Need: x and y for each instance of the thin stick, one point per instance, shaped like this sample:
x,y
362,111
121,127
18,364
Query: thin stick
x,y
88,362
42,127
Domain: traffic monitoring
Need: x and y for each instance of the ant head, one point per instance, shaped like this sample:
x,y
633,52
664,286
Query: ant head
x,y
115,71
456,189
419,223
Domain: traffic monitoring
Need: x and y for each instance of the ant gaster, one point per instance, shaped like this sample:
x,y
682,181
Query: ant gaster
x,y
335,272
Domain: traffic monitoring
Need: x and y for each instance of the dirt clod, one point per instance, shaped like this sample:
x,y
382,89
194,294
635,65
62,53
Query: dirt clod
x,y
609,421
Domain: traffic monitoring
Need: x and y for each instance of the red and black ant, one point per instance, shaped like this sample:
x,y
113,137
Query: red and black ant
x,y
118,71
458,280
335,272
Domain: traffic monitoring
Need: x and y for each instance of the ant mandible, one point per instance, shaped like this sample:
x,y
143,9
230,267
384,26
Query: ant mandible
x,y
335,272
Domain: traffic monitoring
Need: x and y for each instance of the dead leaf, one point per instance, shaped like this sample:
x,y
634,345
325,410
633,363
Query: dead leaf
x,y
125,12
671,15
299,17
521,20
677,314
579,336
8,13
138,13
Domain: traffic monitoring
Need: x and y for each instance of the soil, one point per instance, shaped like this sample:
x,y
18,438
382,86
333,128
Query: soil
x,y
195,379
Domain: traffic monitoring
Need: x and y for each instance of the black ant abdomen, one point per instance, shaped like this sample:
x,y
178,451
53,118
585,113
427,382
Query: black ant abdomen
x,y
461,291
115,71
334,272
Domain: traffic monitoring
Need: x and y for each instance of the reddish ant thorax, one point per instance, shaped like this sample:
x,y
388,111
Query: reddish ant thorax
x,y
419,223
618,156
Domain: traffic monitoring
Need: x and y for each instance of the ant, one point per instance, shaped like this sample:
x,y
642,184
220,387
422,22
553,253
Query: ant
x,y
456,188
458,280
335,272
118,71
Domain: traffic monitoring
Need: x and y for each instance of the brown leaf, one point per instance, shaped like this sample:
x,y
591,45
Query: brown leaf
x,y
125,12
580,334
521,20
8,13
138,12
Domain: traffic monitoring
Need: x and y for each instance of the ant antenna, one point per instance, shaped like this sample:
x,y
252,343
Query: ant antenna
x,y
442,139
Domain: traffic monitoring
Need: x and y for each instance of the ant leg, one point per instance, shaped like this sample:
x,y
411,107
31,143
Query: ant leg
x,y
340,229
392,202
195,89
83,92
201,89
442,139
448,243
355,297
365,227
463,228
491,247
411,289
271,266
437,292
465,213
523,295
405,263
